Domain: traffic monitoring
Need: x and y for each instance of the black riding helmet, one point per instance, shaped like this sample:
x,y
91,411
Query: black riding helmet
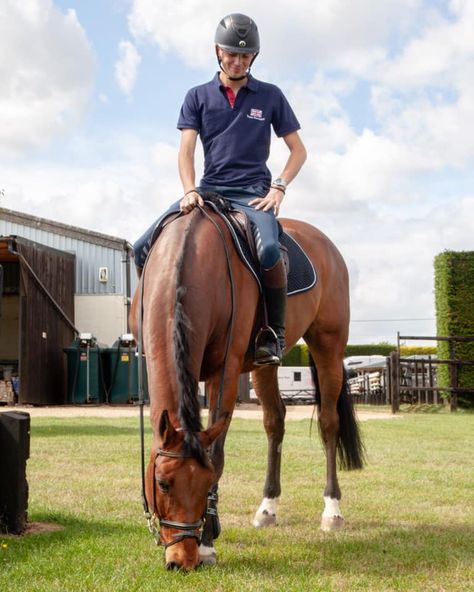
x,y
237,33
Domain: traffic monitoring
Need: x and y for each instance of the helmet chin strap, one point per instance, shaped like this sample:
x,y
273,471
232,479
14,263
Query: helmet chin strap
x,y
236,79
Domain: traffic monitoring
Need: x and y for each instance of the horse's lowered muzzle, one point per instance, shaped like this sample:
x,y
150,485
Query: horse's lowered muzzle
x,y
183,556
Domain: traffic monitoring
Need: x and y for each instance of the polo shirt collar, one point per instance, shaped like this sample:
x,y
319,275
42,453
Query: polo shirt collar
x,y
252,83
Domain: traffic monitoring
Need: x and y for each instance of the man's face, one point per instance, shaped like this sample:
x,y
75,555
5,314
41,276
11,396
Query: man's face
x,y
235,64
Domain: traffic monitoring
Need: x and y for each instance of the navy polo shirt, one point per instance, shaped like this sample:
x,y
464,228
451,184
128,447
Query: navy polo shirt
x,y
236,140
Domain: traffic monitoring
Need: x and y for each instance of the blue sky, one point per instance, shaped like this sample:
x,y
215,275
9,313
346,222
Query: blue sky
x,y
384,92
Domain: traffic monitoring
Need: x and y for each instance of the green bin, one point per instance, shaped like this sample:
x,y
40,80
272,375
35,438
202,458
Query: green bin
x,y
121,371
84,371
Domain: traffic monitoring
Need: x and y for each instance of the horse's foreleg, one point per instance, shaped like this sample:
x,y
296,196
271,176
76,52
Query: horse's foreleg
x,y
265,382
211,529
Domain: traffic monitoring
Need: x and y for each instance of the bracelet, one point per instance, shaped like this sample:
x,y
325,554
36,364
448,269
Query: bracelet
x,y
191,191
279,187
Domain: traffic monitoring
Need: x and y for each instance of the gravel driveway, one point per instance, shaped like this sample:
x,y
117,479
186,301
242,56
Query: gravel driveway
x,y
245,411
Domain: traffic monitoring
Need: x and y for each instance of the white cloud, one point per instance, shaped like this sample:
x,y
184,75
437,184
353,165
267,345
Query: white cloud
x,y
47,70
317,32
186,27
424,97
127,66
121,197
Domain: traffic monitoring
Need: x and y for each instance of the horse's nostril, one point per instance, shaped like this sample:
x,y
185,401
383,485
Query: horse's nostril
x,y
172,565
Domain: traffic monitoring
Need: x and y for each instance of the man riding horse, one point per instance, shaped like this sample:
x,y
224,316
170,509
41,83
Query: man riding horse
x,y
233,114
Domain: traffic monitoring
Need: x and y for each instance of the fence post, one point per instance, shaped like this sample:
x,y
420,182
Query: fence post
x,y
434,396
453,377
394,381
244,388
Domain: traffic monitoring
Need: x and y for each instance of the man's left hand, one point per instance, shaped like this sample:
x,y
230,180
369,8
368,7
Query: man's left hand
x,y
271,201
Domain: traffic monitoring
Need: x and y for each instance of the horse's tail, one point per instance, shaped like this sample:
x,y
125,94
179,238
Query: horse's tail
x,y
350,447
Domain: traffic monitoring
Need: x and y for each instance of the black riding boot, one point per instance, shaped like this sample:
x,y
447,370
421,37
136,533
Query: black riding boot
x,y
270,342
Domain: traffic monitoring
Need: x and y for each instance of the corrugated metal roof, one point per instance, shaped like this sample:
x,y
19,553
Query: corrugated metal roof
x,y
93,250
62,229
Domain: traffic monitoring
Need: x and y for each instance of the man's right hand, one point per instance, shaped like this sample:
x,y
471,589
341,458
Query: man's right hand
x,y
190,201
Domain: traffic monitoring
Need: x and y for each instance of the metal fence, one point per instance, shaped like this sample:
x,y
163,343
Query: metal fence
x,y
370,388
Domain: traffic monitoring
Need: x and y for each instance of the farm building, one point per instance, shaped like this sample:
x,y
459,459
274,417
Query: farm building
x,y
57,281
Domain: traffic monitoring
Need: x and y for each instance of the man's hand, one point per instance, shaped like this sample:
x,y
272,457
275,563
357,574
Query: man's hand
x,y
190,201
271,201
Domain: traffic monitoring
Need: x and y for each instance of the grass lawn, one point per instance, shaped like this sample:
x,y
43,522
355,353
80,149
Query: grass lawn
x,y
409,513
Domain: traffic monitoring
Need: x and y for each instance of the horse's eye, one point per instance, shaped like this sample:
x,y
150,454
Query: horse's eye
x,y
163,486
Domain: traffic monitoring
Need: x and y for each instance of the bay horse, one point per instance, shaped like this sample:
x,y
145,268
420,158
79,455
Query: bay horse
x,y
200,309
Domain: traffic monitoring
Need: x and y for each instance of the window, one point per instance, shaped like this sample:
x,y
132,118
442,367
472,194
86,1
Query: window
x,y
10,274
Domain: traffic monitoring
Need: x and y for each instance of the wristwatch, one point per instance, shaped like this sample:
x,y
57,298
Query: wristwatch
x,y
280,183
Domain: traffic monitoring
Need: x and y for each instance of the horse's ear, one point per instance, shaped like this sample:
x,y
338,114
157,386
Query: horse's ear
x,y
166,429
208,436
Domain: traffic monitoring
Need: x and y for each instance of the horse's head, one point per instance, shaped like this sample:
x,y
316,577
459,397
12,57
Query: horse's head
x,y
179,478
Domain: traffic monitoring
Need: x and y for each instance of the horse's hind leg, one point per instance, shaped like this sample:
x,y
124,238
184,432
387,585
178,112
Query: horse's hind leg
x,y
329,363
265,382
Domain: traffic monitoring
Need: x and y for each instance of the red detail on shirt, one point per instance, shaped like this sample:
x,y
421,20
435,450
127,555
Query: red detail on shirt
x,y
230,95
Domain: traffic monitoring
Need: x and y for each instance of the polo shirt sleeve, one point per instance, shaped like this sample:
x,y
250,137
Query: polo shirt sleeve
x,y
189,116
284,120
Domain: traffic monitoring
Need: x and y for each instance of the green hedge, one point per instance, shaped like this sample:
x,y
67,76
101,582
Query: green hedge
x,y
299,355
454,299
371,349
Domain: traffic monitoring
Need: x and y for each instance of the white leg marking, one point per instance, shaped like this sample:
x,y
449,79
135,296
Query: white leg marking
x,y
331,507
207,555
332,518
266,513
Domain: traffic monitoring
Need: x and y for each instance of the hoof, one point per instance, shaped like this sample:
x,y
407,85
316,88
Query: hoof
x,y
263,519
207,556
208,560
329,523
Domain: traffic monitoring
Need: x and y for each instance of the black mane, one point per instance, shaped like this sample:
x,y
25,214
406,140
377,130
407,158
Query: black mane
x,y
217,200
188,410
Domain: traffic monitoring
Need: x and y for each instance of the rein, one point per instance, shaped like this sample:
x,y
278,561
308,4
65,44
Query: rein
x,y
188,529
232,305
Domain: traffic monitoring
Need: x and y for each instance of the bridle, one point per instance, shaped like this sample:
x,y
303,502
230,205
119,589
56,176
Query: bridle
x,y
188,530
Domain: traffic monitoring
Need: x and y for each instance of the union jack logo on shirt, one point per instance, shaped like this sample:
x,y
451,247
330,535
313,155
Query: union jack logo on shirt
x,y
256,114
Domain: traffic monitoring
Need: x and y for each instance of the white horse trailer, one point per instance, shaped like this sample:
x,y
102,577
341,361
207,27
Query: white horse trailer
x,y
296,385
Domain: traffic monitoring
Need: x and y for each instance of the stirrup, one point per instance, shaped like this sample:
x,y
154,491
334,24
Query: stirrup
x,y
267,348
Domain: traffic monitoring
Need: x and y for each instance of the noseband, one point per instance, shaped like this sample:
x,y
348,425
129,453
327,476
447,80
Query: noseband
x,y
189,530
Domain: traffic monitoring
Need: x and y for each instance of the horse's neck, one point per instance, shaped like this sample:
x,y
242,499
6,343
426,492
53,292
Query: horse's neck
x,y
179,317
